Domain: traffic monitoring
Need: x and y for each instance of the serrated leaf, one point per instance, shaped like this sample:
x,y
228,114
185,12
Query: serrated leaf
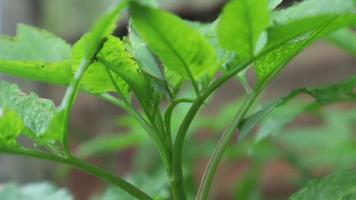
x,y
36,55
333,187
114,56
34,191
89,45
307,16
31,44
272,62
345,39
241,24
180,48
276,115
35,113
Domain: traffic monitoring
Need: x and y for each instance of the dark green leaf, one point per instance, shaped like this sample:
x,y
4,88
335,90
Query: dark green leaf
x,y
180,47
332,187
241,25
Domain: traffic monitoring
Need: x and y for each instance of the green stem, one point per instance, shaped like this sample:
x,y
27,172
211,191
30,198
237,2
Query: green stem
x,y
84,167
221,147
183,129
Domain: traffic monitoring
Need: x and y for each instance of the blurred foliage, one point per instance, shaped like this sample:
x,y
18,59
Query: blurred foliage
x,y
33,191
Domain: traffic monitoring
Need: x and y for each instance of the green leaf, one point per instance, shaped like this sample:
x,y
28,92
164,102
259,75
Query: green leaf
x,y
10,127
97,80
35,113
31,44
273,61
180,47
148,63
34,191
143,55
274,3
89,45
307,16
333,187
36,55
241,25
209,31
276,115
114,56
345,39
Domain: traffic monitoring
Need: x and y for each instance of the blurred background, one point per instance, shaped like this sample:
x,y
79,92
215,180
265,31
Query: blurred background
x,y
314,144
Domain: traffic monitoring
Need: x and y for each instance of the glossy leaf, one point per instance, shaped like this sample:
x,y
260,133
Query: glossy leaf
x,y
180,48
333,187
241,25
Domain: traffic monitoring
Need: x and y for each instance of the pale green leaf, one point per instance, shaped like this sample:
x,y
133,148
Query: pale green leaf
x,y
274,61
241,24
333,187
36,113
180,47
34,191
307,16
345,39
31,44
148,64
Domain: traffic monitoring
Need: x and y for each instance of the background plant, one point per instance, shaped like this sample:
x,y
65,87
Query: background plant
x,y
161,54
